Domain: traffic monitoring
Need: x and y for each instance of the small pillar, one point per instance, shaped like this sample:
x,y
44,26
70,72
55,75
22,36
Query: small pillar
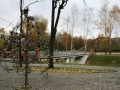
x,y
92,52
4,53
37,54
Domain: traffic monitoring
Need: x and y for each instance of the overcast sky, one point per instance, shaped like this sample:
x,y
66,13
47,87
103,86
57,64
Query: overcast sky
x,y
9,10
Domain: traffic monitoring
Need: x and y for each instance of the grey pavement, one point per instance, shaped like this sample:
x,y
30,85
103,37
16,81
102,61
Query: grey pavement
x,y
63,81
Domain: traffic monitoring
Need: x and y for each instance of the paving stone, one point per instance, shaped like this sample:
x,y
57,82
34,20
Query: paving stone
x,y
62,81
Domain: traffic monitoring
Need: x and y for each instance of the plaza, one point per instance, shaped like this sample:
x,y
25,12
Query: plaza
x,y
63,81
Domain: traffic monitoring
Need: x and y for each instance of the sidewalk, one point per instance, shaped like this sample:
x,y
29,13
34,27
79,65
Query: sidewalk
x,y
63,81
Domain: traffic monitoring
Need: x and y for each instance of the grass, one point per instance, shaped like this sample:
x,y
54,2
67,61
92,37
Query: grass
x,y
100,60
104,60
70,70
95,60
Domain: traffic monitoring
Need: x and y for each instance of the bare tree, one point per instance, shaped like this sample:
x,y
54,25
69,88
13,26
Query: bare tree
x,y
54,23
66,21
25,12
86,21
73,21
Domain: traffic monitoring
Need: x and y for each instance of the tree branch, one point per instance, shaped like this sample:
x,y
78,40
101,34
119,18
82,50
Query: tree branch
x,y
86,4
8,25
33,3
63,4
7,21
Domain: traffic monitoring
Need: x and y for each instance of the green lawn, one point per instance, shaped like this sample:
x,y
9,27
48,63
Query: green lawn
x,y
104,60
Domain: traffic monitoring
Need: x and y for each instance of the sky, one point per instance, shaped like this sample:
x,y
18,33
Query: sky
x,y
10,12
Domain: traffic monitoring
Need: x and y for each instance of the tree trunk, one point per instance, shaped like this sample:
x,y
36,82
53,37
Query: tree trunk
x,y
52,41
20,58
52,38
110,47
111,28
54,28
106,50
110,50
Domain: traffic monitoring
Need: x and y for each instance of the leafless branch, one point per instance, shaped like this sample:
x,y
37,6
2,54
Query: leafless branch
x,y
63,4
34,2
86,4
7,21
8,25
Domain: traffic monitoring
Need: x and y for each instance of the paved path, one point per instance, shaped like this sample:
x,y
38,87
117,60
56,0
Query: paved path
x,y
63,81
